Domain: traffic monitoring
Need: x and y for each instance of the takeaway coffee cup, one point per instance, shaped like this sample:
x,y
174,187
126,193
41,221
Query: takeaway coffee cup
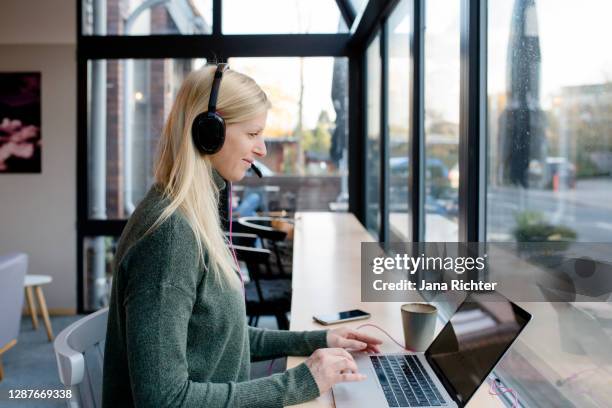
x,y
419,324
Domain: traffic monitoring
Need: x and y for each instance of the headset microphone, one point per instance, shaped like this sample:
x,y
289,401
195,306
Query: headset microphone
x,y
256,170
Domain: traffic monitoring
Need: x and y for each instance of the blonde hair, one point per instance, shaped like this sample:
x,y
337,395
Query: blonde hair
x,y
185,175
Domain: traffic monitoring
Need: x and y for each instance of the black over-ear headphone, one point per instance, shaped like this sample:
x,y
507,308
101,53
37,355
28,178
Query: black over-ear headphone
x,y
208,128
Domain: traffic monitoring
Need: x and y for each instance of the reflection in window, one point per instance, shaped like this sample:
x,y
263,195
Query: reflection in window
x,y
441,120
373,140
399,110
141,17
305,168
282,17
549,178
550,140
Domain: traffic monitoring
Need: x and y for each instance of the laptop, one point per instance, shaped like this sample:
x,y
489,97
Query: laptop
x,y
450,371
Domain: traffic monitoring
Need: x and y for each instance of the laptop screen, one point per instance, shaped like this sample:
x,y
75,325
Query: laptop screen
x,y
473,341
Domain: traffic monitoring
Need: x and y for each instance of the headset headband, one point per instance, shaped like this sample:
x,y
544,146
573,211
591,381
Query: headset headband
x,y
214,90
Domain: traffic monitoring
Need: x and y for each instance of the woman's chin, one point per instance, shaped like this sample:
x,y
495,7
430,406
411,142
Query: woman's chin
x,y
236,177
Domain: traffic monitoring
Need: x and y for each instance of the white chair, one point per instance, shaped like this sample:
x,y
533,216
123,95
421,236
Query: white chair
x,y
13,268
79,350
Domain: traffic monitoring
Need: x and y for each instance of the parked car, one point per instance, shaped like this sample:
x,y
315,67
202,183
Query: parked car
x,y
436,183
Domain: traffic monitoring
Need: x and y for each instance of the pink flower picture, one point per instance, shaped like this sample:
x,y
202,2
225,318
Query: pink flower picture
x,y
20,136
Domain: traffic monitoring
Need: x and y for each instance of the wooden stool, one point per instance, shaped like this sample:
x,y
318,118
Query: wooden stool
x,y
2,350
37,281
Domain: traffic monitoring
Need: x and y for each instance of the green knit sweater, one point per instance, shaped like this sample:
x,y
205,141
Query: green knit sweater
x,y
176,337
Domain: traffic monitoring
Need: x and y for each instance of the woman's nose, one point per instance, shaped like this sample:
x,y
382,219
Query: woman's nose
x,y
260,148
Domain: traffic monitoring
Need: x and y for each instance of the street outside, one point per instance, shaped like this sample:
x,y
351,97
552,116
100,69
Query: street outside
x,y
587,209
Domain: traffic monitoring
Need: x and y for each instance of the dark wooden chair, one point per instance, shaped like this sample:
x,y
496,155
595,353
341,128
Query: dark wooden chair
x,y
266,295
271,237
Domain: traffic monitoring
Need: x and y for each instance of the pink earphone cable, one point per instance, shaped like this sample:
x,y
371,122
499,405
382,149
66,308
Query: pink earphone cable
x,y
576,375
498,389
231,240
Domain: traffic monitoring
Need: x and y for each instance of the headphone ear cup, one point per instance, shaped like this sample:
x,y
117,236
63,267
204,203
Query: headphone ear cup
x,y
208,132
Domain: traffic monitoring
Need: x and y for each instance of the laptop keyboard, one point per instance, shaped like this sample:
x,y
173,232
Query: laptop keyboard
x,y
405,382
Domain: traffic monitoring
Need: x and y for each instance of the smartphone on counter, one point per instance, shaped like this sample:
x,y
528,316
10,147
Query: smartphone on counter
x,y
341,317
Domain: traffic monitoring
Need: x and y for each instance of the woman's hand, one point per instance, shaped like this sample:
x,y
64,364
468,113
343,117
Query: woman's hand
x,y
346,338
332,365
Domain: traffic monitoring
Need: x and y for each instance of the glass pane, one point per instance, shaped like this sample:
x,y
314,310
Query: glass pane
x,y
441,120
144,17
282,17
305,168
98,254
550,178
128,102
399,29
372,170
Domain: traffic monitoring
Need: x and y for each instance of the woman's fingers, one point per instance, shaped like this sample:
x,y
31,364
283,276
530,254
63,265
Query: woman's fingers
x,y
346,377
332,365
359,341
347,371
353,344
337,351
364,337
342,364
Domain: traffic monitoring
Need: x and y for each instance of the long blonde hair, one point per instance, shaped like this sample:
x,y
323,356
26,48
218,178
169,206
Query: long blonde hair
x,y
187,176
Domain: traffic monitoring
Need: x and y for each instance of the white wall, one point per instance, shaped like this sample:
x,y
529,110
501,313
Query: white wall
x,y
38,211
37,22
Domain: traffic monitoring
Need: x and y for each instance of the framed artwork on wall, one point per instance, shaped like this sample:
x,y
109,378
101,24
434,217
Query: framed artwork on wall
x,y
20,135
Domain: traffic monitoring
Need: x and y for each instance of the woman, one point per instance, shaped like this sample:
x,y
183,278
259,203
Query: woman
x,y
177,333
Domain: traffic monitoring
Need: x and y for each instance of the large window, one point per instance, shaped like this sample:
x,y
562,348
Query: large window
x,y
441,119
398,43
550,178
373,139
127,87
